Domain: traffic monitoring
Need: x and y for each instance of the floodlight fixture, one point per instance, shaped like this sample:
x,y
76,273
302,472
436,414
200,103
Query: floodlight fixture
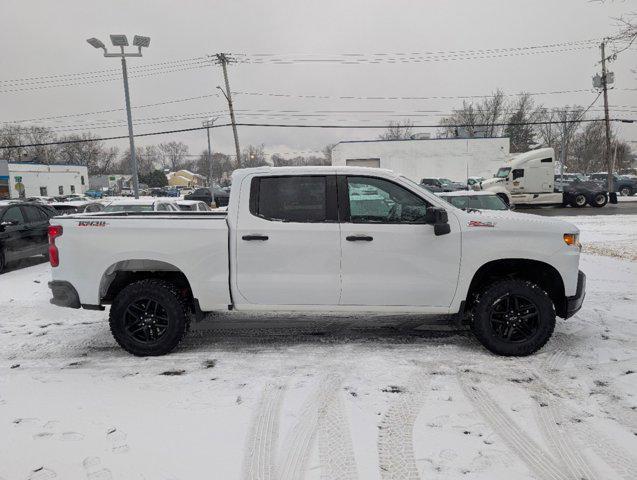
x,y
140,41
119,40
95,42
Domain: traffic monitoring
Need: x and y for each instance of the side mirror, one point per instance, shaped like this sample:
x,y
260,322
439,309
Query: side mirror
x,y
437,217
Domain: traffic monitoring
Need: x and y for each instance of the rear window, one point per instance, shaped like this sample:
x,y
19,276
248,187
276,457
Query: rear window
x,y
290,199
129,208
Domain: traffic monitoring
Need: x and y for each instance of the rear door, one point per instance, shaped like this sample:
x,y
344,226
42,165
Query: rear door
x,y
288,244
390,256
13,226
35,232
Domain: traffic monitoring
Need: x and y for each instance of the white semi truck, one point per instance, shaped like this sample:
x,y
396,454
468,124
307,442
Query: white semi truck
x,y
529,179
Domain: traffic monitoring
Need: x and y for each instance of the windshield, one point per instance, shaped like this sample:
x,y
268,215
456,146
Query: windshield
x,y
445,181
129,208
476,202
503,172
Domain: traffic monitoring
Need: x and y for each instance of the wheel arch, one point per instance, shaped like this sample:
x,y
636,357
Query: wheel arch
x,y
541,273
122,273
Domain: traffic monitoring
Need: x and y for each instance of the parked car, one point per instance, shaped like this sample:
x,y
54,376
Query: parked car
x,y
471,181
23,231
94,193
295,239
192,206
141,205
64,208
216,195
566,179
470,200
441,185
626,186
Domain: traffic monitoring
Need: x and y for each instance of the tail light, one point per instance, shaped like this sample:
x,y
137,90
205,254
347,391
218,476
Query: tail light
x,y
54,256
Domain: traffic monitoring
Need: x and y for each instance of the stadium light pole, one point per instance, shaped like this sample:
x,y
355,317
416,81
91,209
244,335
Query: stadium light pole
x,y
121,41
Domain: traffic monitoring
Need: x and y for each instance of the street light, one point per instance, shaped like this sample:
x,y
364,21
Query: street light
x,y
119,40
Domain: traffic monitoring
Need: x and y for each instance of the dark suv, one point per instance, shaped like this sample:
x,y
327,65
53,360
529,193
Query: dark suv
x,y
23,231
626,186
216,194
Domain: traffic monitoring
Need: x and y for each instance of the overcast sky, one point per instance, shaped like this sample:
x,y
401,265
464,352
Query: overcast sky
x,y
45,38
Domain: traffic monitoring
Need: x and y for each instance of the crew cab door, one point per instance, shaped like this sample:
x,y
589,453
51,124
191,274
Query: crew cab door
x,y
13,231
389,255
288,243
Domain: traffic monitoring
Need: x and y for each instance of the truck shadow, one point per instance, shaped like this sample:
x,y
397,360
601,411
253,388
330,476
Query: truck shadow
x,y
241,331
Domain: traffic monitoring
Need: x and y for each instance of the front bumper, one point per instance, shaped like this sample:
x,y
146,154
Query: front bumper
x,y
64,294
574,303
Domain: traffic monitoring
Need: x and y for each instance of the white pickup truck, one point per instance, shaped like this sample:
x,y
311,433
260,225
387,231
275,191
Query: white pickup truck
x,y
337,239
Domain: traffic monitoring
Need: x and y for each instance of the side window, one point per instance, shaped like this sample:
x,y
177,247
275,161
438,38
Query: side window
x,y
290,199
31,214
200,191
162,207
375,200
518,173
13,214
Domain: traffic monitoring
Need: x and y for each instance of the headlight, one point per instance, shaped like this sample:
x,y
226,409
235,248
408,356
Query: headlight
x,y
572,239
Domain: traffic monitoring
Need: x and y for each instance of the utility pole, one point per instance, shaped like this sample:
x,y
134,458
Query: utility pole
x,y
209,123
223,60
607,153
563,154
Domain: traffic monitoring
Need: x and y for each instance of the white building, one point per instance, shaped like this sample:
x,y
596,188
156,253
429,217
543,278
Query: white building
x,y
453,158
37,179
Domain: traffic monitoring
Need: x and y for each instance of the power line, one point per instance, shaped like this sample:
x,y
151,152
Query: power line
x,y
281,125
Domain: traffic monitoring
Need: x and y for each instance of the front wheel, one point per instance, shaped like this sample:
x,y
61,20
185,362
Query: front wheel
x,y
626,191
149,318
513,318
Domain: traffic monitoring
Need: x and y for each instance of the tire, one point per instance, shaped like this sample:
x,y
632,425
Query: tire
x,y
598,200
578,200
626,191
513,335
149,318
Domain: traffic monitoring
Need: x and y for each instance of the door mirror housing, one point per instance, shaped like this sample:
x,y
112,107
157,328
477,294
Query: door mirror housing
x,y
437,217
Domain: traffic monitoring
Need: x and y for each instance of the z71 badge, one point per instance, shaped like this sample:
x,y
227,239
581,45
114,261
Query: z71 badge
x,y
477,223
91,223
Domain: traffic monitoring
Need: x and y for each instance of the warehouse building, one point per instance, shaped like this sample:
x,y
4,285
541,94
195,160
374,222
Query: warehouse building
x,y
46,180
417,158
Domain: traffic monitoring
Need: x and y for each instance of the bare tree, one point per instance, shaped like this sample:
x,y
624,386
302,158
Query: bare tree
x,y
483,119
253,157
398,130
520,128
173,154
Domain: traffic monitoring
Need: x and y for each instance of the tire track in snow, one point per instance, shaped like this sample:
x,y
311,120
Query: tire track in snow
x,y
535,458
259,460
395,440
551,419
336,452
299,442
615,456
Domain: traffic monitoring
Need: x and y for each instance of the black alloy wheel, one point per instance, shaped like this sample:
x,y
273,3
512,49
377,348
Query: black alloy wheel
x,y
514,318
146,321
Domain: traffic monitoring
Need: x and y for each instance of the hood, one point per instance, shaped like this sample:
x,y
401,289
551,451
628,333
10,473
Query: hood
x,y
490,182
509,220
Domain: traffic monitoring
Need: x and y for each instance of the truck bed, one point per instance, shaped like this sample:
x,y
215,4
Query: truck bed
x,y
194,243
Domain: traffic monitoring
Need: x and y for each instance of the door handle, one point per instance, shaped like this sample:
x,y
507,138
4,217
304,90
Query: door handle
x,y
255,237
359,238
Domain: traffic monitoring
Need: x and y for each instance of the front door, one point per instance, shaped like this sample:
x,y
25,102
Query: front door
x,y
288,246
13,224
389,255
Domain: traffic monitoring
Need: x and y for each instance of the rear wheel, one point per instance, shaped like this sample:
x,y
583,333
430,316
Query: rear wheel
x,y
149,318
598,200
626,191
513,318
578,200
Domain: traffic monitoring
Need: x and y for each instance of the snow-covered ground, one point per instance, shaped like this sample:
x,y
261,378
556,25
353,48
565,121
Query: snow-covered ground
x,y
292,396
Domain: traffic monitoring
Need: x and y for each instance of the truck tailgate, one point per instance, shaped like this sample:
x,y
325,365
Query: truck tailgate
x,y
92,247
